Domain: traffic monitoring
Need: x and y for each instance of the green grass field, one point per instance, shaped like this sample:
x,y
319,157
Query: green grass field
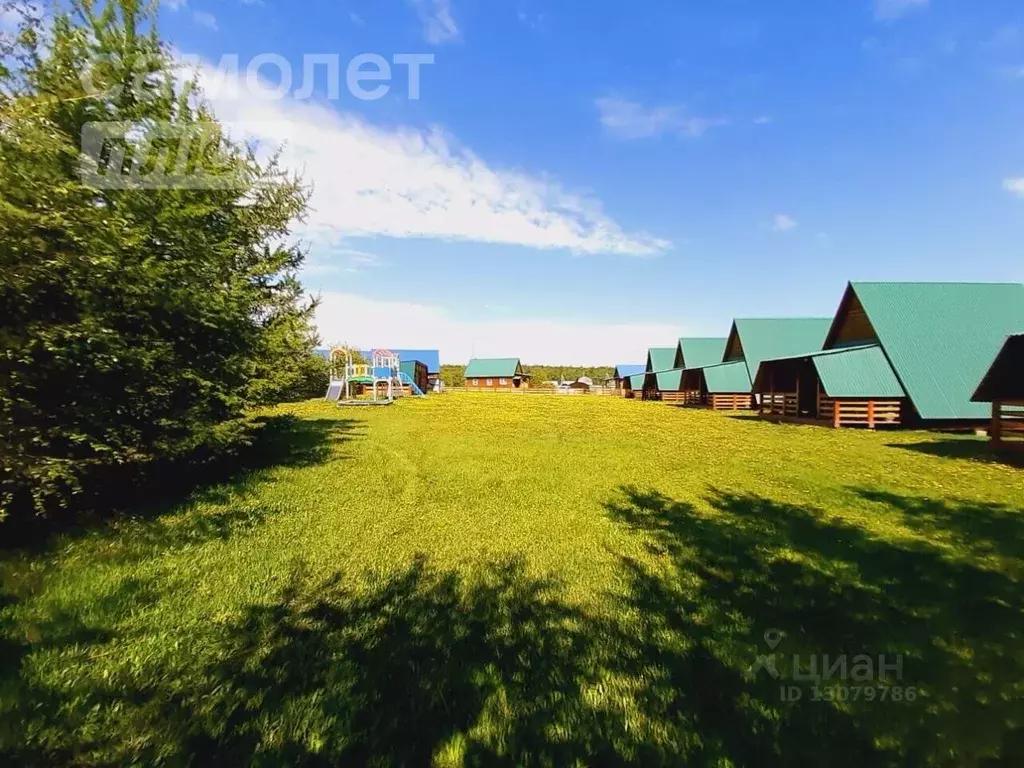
x,y
480,580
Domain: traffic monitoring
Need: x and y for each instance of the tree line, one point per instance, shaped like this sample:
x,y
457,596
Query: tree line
x,y
452,375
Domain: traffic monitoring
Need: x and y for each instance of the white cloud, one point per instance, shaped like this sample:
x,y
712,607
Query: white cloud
x,y
411,182
204,19
438,21
764,120
889,10
784,223
339,260
175,5
631,120
341,318
1014,186
356,19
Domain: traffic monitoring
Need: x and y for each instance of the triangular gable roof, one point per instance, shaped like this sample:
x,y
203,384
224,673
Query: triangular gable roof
x,y
493,367
660,359
940,338
622,371
698,352
772,338
1005,378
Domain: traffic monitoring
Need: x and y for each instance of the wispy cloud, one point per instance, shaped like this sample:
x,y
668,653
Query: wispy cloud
x,y
1014,186
413,182
438,21
631,120
784,223
764,120
340,260
890,10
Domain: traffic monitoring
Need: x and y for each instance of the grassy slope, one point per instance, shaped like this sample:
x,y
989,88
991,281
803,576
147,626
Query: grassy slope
x,y
535,580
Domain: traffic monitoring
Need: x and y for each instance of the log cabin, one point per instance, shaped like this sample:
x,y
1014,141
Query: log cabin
x,y
696,353
496,374
896,354
728,384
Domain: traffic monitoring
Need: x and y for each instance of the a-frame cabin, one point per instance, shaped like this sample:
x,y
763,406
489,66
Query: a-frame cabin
x,y
897,354
727,384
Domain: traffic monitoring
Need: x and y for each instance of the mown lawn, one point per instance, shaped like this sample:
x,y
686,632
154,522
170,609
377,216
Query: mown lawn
x,y
480,580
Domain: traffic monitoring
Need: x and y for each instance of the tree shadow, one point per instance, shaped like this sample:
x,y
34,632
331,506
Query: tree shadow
x,y
966,449
755,565
270,442
983,529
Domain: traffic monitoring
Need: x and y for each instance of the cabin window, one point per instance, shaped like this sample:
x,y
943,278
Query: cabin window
x,y
490,382
476,382
503,382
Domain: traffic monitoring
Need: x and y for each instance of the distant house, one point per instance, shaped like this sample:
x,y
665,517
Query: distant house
x,y
897,354
621,374
584,383
728,384
1003,386
496,374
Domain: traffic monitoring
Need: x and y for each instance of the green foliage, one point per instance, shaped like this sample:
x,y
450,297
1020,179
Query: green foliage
x,y
500,580
136,325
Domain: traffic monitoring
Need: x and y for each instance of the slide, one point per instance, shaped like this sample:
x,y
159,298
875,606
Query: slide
x,y
334,392
404,378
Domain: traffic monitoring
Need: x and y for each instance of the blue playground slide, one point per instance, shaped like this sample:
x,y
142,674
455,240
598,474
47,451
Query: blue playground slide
x,y
404,378
334,392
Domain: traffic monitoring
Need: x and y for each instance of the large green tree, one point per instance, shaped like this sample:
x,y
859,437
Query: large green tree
x,y
136,323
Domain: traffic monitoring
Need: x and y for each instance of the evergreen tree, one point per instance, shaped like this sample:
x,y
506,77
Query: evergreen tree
x,y
136,324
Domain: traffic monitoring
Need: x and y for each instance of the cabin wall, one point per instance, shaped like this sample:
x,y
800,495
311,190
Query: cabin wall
x,y
1008,424
496,383
855,327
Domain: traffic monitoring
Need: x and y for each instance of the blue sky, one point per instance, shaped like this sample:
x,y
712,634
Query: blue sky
x,y
581,180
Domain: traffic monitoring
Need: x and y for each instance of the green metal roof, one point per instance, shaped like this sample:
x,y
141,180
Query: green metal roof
x,y
941,338
861,371
857,372
490,368
670,381
636,381
695,353
661,359
726,378
774,338
1005,378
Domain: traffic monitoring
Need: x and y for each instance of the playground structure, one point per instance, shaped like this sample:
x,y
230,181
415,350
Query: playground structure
x,y
349,379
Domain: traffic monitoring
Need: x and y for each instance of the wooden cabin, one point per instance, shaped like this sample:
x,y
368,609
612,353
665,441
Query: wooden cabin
x,y
721,387
1003,387
696,353
659,360
633,386
896,354
496,374
726,384
620,378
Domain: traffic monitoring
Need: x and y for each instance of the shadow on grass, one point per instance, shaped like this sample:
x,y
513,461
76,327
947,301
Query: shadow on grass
x,y
430,666
275,442
966,449
830,588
